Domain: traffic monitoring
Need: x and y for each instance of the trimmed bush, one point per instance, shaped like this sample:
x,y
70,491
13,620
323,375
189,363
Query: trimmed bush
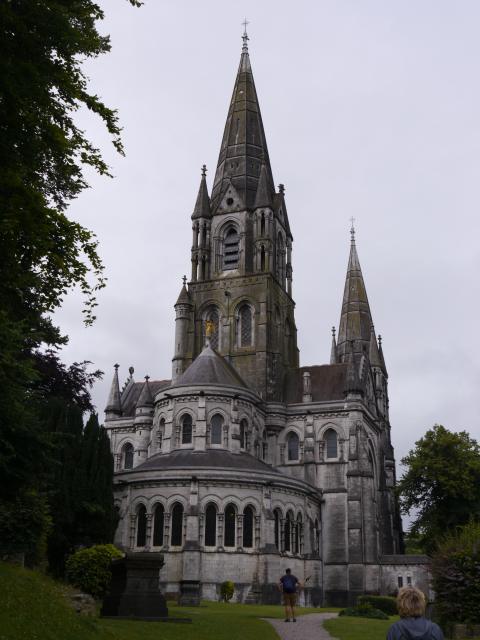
x,y
364,611
227,590
456,576
385,603
89,569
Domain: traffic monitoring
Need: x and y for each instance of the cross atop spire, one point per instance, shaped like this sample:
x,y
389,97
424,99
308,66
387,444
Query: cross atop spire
x,y
245,37
204,170
352,229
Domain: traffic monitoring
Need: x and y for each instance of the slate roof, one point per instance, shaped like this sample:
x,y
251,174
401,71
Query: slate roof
x,y
211,368
210,459
327,382
129,401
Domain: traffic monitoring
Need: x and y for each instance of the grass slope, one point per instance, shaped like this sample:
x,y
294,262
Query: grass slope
x,y
32,608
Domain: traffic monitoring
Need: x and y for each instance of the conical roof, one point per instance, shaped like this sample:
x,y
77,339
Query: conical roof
x,y
202,205
355,319
146,397
114,404
184,296
209,367
244,146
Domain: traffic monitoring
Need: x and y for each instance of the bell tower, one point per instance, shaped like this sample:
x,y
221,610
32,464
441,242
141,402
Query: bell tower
x,y
241,278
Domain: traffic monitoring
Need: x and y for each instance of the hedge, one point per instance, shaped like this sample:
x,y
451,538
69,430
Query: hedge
x,y
386,604
89,569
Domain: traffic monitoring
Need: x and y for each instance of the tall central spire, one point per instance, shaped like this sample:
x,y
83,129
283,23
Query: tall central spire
x,y
244,147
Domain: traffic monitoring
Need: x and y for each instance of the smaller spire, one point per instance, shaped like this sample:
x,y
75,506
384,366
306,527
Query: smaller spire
x,y
373,353
114,404
146,398
333,352
263,197
184,296
202,205
382,358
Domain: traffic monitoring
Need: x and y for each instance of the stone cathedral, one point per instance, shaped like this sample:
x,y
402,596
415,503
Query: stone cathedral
x,y
245,463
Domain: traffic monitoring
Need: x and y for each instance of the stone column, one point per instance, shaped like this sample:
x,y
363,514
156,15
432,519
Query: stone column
x,y
148,537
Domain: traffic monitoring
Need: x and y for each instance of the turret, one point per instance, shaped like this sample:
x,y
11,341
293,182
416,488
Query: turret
x,y
183,314
201,232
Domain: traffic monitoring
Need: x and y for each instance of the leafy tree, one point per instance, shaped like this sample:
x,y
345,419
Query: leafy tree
x,y
43,254
441,484
456,575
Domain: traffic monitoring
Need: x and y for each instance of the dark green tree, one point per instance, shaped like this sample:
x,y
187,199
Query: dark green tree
x,y
441,484
43,253
96,517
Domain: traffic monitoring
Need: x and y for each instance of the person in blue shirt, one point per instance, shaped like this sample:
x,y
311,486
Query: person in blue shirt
x,y
413,625
288,585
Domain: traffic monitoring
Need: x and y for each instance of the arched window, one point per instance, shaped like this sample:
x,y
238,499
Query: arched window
x,y
243,434
248,528
141,526
262,258
298,533
127,455
244,326
216,428
331,441
262,224
293,445
230,249
278,521
187,429
264,446
176,538
211,526
230,526
158,522
161,434
212,317
287,544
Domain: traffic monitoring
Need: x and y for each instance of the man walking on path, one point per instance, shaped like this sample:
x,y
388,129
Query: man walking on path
x,y
288,586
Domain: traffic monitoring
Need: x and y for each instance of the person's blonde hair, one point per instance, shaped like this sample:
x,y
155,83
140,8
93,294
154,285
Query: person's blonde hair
x,y
411,602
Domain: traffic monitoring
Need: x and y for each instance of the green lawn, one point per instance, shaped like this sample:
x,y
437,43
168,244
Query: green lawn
x,y
33,608
346,628
213,620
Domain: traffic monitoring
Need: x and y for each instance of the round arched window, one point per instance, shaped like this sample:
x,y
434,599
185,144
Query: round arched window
x,y
293,446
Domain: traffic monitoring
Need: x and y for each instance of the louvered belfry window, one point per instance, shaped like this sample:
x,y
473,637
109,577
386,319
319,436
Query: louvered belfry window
x,y
230,249
245,319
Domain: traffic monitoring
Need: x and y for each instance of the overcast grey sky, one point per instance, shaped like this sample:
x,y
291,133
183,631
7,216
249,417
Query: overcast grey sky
x,y
371,109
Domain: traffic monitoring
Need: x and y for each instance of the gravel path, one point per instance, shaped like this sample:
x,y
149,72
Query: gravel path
x,y
308,627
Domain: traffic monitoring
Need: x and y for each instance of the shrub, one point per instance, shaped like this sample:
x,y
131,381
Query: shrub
x,y
385,603
89,569
364,611
456,576
227,588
